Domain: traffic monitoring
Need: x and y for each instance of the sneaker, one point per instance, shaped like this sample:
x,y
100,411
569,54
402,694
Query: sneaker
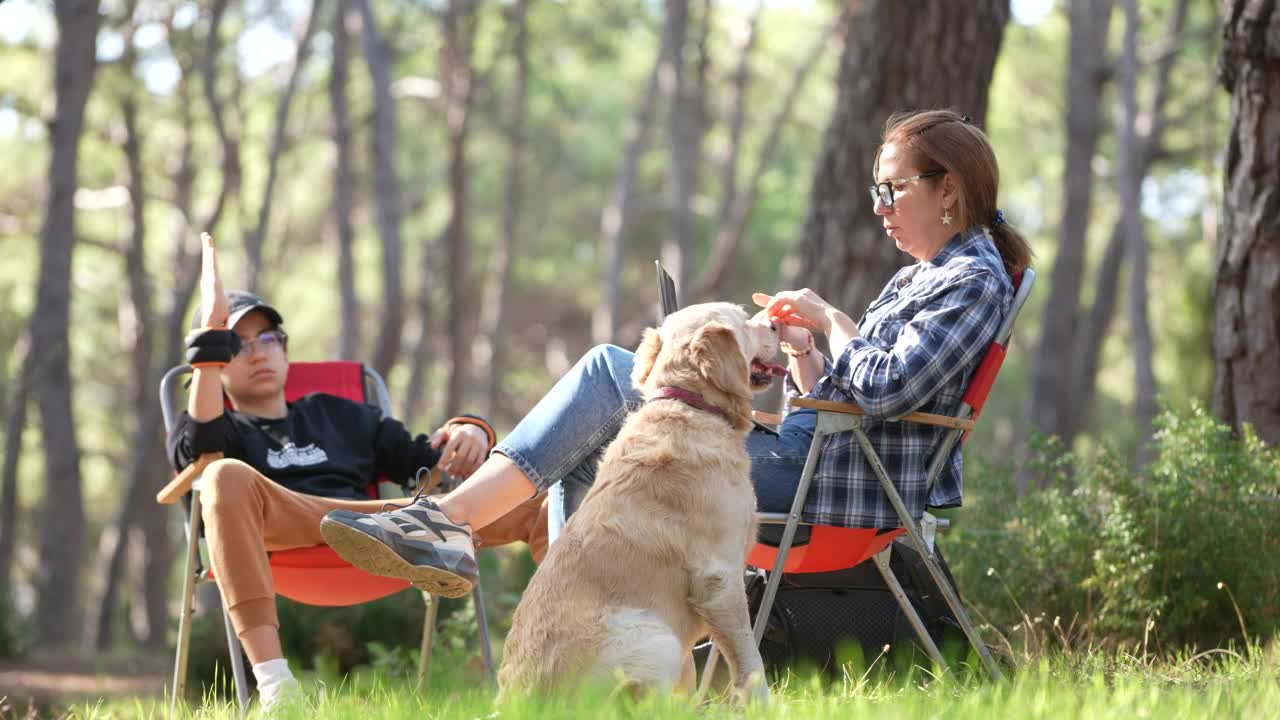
x,y
417,543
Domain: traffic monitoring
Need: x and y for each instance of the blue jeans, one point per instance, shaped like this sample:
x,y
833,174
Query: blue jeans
x,y
563,438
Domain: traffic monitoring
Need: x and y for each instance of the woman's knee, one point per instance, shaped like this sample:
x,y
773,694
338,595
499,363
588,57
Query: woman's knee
x,y
606,353
612,359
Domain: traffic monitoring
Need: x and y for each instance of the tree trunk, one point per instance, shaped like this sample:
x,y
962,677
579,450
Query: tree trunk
x,y
62,514
607,314
15,419
422,355
489,355
1079,404
719,265
681,141
253,242
717,279
138,321
344,186
151,559
459,31
1247,318
387,189
746,39
230,143
1097,325
1128,178
898,54
1049,398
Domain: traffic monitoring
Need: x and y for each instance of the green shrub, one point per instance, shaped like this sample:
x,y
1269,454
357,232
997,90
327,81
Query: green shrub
x,y
1107,551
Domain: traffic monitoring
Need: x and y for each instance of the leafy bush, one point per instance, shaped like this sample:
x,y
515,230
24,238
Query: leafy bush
x,y
1117,556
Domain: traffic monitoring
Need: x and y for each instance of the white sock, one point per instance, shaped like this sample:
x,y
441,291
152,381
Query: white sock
x,y
272,673
276,685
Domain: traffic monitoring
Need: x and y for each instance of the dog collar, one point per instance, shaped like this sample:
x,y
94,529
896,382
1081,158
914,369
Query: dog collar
x,y
693,399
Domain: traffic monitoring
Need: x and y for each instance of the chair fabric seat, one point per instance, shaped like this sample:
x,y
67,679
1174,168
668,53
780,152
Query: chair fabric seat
x,y
829,548
316,575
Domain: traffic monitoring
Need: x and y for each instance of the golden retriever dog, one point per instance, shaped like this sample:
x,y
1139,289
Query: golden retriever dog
x,y
653,560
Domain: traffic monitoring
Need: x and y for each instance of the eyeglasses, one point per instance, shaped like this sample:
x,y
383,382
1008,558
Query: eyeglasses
x,y
884,191
268,341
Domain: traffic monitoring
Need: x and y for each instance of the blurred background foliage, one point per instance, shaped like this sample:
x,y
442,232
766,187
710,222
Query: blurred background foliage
x,y
1102,546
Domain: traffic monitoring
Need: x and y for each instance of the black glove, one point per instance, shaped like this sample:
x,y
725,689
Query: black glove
x,y
210,346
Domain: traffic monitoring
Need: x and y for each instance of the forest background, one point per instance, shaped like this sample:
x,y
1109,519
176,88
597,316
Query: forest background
x,y
467,195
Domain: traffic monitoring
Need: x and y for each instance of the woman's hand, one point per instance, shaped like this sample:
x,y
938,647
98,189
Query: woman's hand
x,y
795,336
796,308
213,301
464,448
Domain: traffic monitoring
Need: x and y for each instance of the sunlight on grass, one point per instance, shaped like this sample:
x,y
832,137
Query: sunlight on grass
x,y
1081,685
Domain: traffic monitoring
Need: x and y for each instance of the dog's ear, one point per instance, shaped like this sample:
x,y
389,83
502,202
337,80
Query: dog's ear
x,y
718,358
646,356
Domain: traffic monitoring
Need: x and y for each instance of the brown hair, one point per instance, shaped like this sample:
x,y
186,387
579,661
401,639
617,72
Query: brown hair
x,y
946,140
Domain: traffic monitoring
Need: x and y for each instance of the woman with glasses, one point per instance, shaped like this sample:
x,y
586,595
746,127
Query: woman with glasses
x,y
934,186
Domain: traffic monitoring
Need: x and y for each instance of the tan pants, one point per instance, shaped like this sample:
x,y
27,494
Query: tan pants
x,y
246,515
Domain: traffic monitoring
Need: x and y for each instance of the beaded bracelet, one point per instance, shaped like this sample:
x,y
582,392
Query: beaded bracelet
x,y
790,349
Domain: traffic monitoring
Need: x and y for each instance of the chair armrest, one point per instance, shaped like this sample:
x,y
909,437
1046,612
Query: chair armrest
x,y
946,421
767,418
181,485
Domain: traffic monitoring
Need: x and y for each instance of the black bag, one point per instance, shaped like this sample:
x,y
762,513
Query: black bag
x,y
820,620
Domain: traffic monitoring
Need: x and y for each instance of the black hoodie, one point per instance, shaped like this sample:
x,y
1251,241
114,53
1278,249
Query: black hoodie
x,y
326,445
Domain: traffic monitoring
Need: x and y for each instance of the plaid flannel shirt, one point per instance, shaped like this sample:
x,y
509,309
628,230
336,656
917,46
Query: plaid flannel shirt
x,y
918,345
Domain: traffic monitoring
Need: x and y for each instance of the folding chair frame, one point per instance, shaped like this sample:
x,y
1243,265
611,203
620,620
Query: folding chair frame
x,y
195,573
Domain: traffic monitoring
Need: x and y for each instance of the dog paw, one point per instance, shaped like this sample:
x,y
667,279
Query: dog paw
x,y
754,691
760,694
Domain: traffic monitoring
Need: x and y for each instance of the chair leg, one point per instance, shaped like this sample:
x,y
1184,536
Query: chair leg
x,y
482,621
957,609
935,572
926,640
236,654
708,669
185,610
428,631
780,562
555,512
788,536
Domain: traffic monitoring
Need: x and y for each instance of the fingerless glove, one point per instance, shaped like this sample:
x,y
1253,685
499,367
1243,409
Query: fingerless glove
x,y
212,347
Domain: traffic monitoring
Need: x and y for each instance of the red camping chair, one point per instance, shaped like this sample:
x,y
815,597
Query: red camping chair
x,y
314,575
831,548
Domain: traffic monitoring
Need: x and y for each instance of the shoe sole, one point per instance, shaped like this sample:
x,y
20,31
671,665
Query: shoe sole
x,y
370,555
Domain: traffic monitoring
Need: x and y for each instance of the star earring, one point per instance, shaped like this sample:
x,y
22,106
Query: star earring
x,y
946,216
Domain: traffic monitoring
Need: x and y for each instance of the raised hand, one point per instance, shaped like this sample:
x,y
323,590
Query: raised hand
x,y
213,301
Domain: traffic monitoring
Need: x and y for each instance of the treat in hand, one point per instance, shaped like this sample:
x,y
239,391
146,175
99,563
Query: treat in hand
x,y
801,308
213,302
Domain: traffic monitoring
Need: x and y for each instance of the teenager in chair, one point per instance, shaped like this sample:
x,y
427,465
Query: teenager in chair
x,y
287,464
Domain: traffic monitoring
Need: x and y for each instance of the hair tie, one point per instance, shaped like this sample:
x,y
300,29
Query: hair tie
x,y
999,219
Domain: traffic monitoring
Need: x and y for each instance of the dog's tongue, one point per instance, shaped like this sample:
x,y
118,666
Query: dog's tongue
x,y
773,368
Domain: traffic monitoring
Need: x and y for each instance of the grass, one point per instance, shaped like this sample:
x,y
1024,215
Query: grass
x,y
1217,684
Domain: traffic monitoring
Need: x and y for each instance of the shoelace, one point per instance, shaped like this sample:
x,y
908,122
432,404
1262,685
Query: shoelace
x,y
419,493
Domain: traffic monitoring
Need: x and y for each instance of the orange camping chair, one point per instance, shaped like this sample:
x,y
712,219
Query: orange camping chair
x,y
826,548
314,575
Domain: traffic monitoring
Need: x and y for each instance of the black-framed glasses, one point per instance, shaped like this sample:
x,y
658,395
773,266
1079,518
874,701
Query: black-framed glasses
x,y
268,341
884,191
